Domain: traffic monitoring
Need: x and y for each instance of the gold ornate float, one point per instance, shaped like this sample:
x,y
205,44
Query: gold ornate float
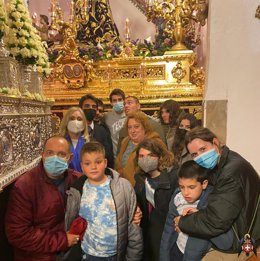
x,y
173,75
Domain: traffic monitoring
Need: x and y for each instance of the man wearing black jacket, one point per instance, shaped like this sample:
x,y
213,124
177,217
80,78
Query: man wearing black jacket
x,y
88,103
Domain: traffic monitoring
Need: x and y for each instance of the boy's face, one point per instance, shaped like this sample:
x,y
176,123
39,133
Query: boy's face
x,y
115,99
93,166
191,189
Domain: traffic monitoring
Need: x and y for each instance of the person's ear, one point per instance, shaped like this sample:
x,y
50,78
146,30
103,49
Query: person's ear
x,y
105,161
205,184
216,144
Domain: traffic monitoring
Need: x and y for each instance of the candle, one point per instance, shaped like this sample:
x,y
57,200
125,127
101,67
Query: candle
x,y
127,31
34,17
85,7
72,10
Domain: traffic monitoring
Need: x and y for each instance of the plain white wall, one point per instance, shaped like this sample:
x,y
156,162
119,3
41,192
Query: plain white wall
x,y
234,72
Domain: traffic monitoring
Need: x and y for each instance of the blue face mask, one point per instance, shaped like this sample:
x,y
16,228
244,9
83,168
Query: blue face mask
x,y
208,159
118,107
55,166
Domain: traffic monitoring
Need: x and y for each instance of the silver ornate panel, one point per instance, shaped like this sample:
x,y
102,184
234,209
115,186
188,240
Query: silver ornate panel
x,y
24,126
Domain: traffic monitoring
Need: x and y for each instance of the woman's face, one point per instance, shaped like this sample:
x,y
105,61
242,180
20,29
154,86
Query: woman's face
x,y
136,131
185,124
198,146
145,153
165,115
76,115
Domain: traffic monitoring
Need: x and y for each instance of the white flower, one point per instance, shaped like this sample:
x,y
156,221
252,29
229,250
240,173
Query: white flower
x,y
149,39
17,16
14,51
25,52
3,18
34,53
22,41
21,8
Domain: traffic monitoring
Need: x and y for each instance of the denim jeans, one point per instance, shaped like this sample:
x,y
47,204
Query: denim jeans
x,y
87,257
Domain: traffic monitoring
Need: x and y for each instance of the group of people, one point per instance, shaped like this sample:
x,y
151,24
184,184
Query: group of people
x,y
123,185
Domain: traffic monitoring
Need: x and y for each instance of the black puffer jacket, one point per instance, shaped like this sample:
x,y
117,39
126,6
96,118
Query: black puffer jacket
x,y
232,202
153,224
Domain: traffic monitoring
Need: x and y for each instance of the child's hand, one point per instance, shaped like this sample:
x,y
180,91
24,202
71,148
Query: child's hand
x,y
137,216
176,224
72,239
188,211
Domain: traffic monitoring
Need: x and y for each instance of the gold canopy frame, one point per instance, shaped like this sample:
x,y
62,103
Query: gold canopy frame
x,y
151,79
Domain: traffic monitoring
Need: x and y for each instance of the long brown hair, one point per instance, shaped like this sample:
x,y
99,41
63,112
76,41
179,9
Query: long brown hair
x,y
158,149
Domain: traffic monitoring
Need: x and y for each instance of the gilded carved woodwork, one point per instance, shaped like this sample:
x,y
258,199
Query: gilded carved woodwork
x,y
151,79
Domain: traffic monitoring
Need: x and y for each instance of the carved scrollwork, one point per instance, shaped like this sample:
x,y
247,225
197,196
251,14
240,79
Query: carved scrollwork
x,y
197,76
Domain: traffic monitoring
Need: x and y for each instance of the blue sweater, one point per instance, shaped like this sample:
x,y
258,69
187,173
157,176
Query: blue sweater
x,y
195,248
75,162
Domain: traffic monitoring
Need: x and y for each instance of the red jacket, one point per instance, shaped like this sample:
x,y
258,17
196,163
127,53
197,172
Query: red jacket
x,y
35,216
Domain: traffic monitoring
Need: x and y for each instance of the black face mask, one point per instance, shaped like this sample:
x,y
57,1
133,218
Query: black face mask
x,y
90,114
180,133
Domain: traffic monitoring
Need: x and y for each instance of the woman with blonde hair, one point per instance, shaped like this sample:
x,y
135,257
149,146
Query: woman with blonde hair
x,y
156,181
139,128
74,128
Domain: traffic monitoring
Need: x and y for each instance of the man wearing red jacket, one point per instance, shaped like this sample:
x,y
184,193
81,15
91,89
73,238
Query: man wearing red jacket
x,y
36,208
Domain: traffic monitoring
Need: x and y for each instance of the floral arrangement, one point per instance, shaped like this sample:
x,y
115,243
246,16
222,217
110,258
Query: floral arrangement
x,y
23,41
106,51
3,20
10,91
15,92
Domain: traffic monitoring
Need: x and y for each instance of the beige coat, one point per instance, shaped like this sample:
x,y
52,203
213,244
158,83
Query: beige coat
x,y
130,168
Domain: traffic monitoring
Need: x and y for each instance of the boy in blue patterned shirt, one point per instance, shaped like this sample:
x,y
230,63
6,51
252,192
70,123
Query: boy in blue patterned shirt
x,y
108,204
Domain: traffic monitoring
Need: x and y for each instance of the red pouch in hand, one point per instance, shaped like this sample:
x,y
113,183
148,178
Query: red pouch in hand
x,y
78,227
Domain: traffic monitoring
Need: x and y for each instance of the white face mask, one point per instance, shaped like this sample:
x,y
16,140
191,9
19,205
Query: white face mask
x,y
75,126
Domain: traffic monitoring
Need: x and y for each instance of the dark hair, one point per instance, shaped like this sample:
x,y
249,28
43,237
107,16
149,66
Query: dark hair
x,y
200,133
188,116
100,102
118,92
191,170
173,108
87,97
179,137
158,149
92,147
